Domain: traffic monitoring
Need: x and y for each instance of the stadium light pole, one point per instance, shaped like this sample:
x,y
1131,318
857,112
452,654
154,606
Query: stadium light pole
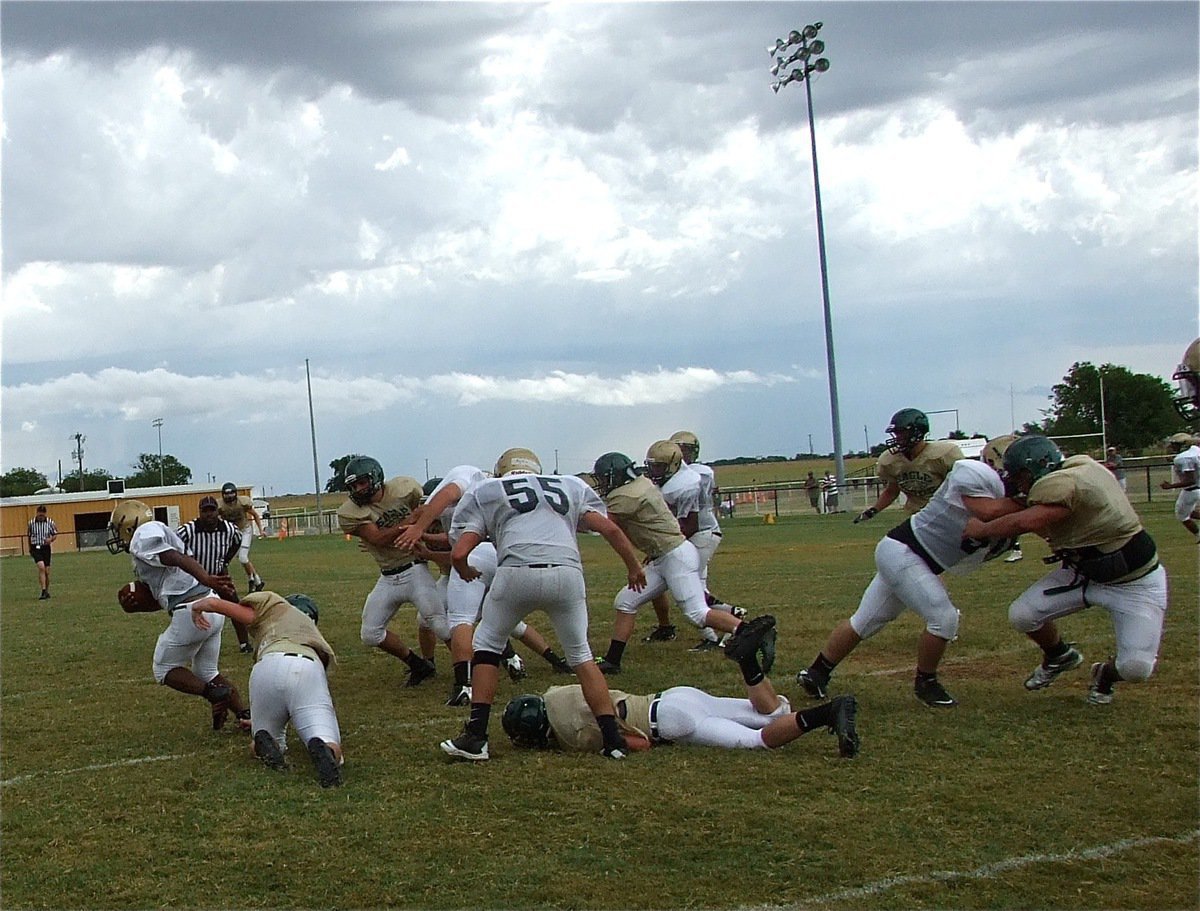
x,y
808,56
158,422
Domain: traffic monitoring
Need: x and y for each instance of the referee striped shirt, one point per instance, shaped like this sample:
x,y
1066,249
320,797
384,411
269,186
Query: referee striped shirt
x,y
40,531
212,549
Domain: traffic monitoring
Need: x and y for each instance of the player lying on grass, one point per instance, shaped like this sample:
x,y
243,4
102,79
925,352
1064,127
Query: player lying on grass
x,y
684,714
288,681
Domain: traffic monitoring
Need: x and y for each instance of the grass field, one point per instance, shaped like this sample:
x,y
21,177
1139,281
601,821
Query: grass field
x,y
116,795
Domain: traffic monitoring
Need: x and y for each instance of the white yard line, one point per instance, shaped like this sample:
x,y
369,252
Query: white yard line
x,y
1002,866
93,768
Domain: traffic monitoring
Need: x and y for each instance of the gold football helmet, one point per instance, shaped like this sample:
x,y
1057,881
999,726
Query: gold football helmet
x,y
1187,375
688,443
1180,441
590,480
993,452
518,461
126,517
663,460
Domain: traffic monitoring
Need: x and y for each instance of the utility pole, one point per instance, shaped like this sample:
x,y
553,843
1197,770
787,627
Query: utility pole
x,y
78,455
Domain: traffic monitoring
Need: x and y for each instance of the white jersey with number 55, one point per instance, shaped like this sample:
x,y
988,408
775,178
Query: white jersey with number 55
x,y
532,519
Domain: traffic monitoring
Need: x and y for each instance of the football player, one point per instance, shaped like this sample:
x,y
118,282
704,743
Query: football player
x,y
464,600
1108,561
376,512
908,562
684,714
533,520
288,681
241,512
185,658
911,464
673,564
1185,477
1187,375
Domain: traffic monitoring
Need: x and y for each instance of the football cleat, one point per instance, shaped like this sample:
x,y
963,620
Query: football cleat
x,y
466,746
1100,692
705,645
268,752
515,667
613,753
933,694
661,634
1014,556
607,668
767,650
421,672
845,711
246,648
459,696
814,687
325,763
747,638
1043,675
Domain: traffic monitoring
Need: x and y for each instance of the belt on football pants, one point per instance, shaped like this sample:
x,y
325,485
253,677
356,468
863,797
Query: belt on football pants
x,y
298,655
540,565
396,570
654,735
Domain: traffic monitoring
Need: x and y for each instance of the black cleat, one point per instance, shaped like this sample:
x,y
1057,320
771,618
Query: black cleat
x,y
933,694
706,645
559,664
323,760
459,696
607,668
747,638
267,750
814,687
420,672
845,710
661,634
467,746
767,650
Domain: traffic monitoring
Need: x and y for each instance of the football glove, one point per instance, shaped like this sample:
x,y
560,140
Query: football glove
x,y
869,513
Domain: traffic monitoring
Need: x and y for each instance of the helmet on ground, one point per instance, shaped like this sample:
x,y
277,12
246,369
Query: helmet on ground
x,y
518,461
430,486
1187,375
908,427
525,721
126,517
229,492
688,443
1180,441
612,470
993,452
663,461
363,468
1036,454
305,605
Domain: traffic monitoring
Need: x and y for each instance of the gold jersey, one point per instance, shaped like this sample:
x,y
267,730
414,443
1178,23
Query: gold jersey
x,y
575,726
639,508
919,477
1101,515
237,512
401,495
280,627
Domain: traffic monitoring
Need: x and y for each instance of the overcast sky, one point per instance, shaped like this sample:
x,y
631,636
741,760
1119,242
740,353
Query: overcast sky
x,y
576,228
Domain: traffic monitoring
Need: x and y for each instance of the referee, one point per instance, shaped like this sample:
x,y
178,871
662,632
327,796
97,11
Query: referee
x,y
42,532
213,541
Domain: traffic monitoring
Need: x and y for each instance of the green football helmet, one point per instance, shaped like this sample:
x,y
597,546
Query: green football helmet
x,y
612,470
430,486
909,427
1036,454
526,723
361,467
305,605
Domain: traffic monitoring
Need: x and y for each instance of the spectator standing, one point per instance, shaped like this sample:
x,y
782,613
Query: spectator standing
x,y
42,532
1114,463
829,492
814,492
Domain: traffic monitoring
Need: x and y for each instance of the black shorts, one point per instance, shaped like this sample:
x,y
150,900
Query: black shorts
x,y
40,553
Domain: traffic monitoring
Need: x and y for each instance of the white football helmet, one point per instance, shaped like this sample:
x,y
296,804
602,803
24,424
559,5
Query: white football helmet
x,y
518,461
1187,375
126,517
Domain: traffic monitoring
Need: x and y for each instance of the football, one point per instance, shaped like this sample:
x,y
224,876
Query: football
x,y
136,597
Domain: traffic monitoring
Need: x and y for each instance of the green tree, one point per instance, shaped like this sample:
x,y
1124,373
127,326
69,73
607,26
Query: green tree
x,y
93,479
20,482
337,483
1137,407
146,474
